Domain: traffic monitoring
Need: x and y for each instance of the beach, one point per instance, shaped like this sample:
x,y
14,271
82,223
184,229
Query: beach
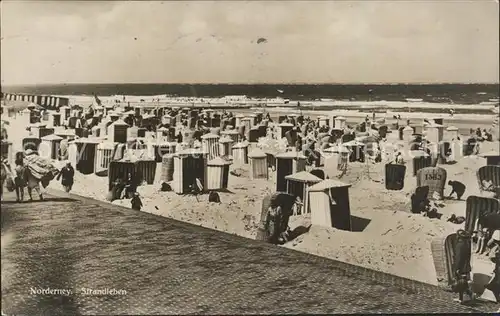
x,y
386,236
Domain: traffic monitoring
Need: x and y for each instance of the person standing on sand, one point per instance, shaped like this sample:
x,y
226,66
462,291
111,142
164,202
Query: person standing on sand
x,y
67,173
19,179
130,186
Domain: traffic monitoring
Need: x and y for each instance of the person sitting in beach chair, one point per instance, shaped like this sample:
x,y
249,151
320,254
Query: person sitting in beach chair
x,y
480,234
458,188
419,200
399,159
493,244
116,192
462,265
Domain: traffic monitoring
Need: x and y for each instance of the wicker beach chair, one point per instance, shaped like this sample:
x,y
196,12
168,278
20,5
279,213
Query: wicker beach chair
x,y
478,206
488,178
443,254
271,161
318,173
435,179
286,201
395,176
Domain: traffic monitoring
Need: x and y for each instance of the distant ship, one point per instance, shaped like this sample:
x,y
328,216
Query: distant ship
x,y
413,100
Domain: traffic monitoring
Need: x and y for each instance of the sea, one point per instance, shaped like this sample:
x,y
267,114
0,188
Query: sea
x,y
435,93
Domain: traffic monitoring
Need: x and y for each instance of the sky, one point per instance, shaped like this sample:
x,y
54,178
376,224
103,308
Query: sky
x,y
44,42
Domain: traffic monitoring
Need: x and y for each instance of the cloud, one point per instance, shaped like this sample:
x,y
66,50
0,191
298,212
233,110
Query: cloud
x,y
204,41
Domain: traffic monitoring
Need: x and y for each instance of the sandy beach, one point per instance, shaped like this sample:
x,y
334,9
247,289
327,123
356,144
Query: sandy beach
x,y
386,235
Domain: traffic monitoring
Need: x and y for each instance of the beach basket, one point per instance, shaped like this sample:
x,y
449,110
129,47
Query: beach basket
x,y
190,168
394,177
443,253
42,132
253,135
145,171
444,148
285,201
318,173
163,149
488,178
86,160
119,169
217,174
434,178
167,168
31,143
470,147
478,206
420,162
348,138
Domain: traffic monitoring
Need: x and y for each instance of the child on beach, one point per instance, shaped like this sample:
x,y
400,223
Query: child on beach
x,y
19,179
136,202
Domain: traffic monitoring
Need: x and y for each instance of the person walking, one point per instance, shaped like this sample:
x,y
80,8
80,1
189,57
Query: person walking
x,y
67,175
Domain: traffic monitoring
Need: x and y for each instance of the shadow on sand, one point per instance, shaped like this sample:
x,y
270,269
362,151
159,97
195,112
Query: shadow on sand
x,y
297,231
359,224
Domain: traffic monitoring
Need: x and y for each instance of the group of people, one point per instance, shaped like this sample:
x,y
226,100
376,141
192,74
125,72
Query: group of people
x,y
126,187
19,178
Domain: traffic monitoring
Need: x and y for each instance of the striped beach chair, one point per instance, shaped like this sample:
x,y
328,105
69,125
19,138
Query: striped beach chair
x,y
443,253
488,178
477,206
286,201
394,176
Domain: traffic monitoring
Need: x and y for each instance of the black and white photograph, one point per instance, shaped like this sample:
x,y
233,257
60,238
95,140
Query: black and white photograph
x,y
250,157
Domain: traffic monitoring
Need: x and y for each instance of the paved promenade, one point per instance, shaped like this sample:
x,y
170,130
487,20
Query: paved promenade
x,y
146,264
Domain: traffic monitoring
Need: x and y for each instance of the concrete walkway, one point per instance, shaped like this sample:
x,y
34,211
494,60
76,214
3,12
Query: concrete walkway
x,y
140,263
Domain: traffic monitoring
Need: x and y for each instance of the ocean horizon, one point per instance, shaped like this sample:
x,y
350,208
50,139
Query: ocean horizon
x,y
435,93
